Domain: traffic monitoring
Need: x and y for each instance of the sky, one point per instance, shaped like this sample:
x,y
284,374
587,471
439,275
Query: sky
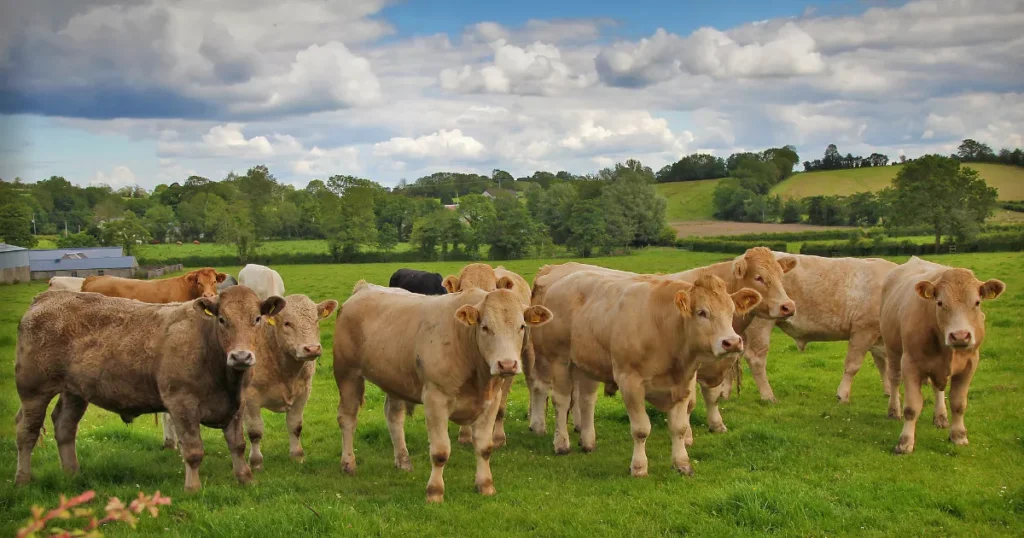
x,y
125,92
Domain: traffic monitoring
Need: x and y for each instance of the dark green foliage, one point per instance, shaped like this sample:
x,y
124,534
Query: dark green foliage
x,y
16,225
77,240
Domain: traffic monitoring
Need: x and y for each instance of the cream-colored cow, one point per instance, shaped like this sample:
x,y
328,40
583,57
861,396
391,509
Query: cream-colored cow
x,y
449,352
648,335
838,299
933,329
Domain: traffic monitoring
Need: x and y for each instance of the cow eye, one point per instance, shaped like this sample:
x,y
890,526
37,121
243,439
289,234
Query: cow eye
x,y
485,328
977,303
939,303
222,320
257,322
523,328
702,313
287,324
759,279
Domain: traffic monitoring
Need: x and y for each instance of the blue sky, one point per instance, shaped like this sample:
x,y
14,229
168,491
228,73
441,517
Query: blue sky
x,y
152,91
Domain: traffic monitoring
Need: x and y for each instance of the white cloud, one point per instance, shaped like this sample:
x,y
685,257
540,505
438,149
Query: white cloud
x,y
439,146
120,176
537,69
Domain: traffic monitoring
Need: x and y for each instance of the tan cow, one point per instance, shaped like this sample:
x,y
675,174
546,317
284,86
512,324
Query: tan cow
x,y
838,299
933,329
193,285
487,278
757,269
648,335
448,352
132,358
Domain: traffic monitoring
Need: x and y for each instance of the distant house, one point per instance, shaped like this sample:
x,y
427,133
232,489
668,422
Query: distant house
x,y
14,264
81,262
451,207
495,192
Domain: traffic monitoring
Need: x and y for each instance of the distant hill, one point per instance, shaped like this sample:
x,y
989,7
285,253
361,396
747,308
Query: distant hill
x,y
688,200
1008,179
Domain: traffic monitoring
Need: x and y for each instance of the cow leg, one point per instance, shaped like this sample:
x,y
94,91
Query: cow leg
x,y
170,438
640,424
588,389
235,438
860,343
499,420
186,425
294,421
394,410
483,439
758,339
678,425
894,371
540,388
959,384
30,419
711,396
561,396
911,407
939,419
351,392
66,415
574,405
437,410
465,434
254,425
878,354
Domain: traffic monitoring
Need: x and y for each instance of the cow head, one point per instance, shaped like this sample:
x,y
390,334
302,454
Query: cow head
x,y
238,315
957,296
707,309
204,281
297,327
473,276
499,321
759,270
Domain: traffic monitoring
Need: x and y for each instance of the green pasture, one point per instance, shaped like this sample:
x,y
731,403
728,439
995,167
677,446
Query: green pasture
x,y
688,200
804,466
1008,179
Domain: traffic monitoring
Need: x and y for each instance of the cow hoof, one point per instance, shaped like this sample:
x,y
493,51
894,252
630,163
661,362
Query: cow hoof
x,y
170,445
638,472
256,467
436,498
940,421
561,450
499,441
715,428
843,400
684,469
465,439
959,439
895,414
192,488
905,446
348,467
487,488
770,398
587,449
539,430
244,477
404,464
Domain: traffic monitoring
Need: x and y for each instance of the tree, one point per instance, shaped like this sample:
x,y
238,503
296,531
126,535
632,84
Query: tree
x,y
351,223
639,203
161,222
477,211
792,211
77,240
16,225
971,150
232,225
729,198
440,229
502,178
586,227
511,232
832,160
126,231
387,239
937,192
864,209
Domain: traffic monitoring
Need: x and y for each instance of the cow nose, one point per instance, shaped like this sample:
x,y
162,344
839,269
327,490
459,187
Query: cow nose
x,y
732,344
241,359
788,309
312,351
508,366
961,338
209,295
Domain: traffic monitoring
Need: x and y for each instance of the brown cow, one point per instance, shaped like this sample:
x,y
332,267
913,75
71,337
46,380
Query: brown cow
x,y
193,285
757,269
483,276
649,335
448,352
132,358
839,299
933,329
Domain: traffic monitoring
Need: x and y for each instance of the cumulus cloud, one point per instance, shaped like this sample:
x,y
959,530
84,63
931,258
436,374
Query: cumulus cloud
x,y
537,69
120,176
442,145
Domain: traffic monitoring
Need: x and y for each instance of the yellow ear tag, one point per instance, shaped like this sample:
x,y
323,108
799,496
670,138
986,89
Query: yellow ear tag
x,y
326,314
207,310
272,321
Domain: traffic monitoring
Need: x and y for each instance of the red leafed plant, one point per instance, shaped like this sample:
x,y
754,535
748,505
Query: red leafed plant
x,y
69,509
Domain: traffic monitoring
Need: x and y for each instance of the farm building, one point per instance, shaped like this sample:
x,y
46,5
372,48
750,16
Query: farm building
x,y
14,264
81,262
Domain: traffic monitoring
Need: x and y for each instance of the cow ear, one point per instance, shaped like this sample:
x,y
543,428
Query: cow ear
x,y
682,300
739,267
925,289
788,263
221,277
272,306
505,283
192,278
537,315
326,308
991,289
745,299
206,306
451,283
468,315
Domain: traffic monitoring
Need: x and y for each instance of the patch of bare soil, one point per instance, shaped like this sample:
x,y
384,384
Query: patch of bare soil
x,y
711,228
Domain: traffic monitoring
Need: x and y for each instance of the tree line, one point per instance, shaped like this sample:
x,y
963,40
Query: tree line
x,y
439,215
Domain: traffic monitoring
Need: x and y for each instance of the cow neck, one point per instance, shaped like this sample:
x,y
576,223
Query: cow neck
x,y
724,271
468,349
216,361
670,322
270,346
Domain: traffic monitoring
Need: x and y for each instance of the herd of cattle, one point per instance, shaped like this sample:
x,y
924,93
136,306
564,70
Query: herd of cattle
x,y
204,349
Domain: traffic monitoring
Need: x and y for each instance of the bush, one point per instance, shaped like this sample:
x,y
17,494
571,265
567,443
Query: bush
x,y
697,244
81,239
991,242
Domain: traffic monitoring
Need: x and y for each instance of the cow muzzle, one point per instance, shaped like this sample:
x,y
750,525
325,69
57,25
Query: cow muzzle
x,y
241,359
311,352
786,310
959,339
728,346
506,367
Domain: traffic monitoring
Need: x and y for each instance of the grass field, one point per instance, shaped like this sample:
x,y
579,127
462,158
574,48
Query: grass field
x,y
688,200
1008,179
805,466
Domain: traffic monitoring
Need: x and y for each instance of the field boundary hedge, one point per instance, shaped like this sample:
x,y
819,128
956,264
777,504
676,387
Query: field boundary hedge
x,y
991,242
724,246
844,234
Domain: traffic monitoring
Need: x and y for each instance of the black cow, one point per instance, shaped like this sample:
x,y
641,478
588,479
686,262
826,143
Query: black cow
x,y
420,282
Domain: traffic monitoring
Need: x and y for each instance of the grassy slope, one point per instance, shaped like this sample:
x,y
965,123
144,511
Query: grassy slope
x,y
804,466
1008,179
688,200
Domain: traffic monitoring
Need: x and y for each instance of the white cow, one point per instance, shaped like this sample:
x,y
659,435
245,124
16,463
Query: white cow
x,y
68,283
265,281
